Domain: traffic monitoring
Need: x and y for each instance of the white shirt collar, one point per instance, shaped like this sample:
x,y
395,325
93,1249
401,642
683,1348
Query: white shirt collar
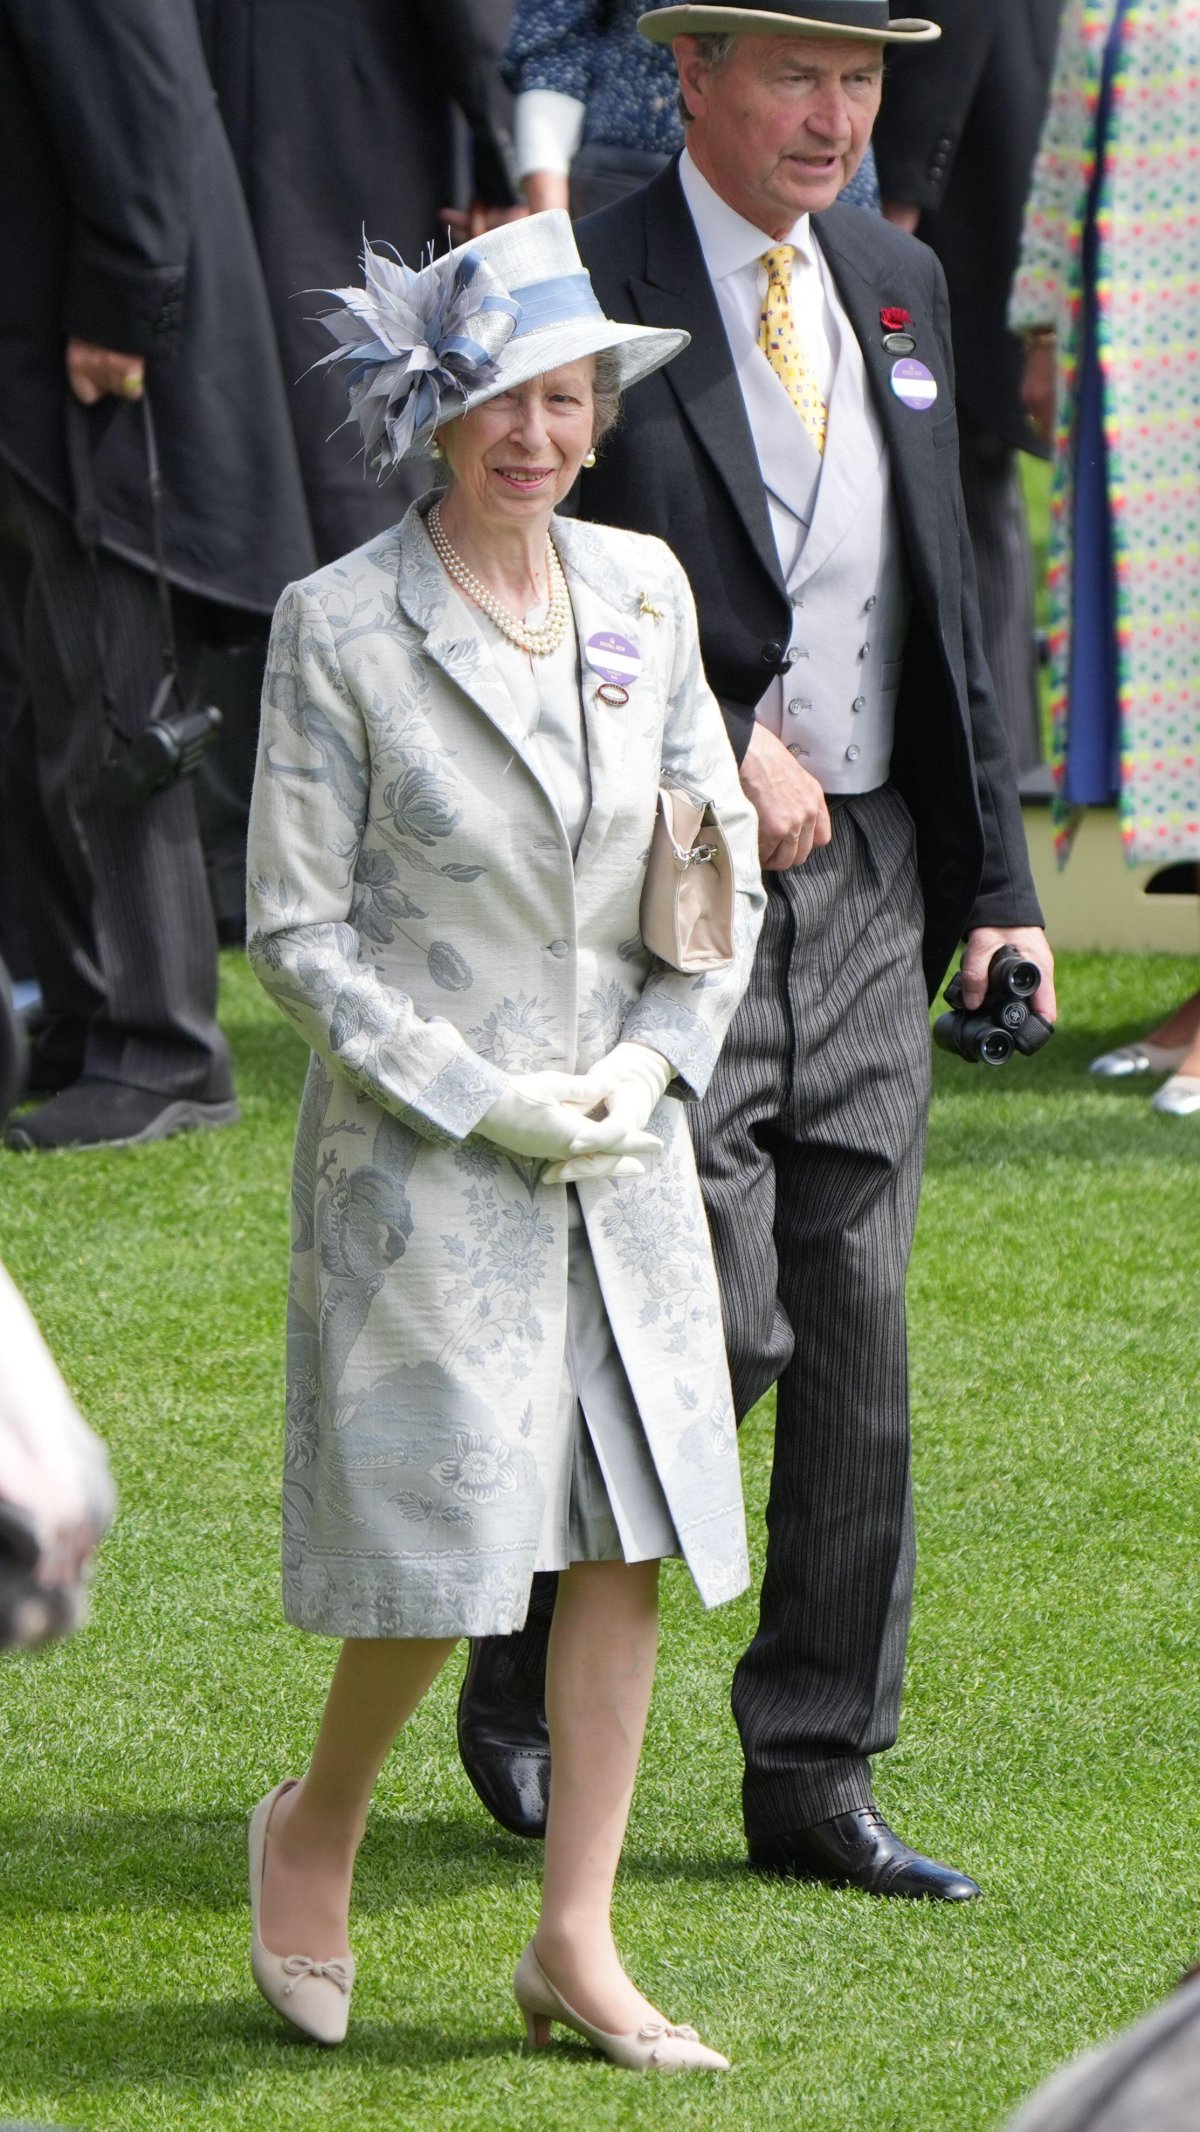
x,y
727,240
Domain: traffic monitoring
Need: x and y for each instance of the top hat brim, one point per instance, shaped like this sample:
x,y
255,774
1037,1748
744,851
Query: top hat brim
x,y
667,23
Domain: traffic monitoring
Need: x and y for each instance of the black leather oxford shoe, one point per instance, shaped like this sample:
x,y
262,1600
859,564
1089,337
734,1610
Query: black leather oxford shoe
x,y
502,1734
859,1850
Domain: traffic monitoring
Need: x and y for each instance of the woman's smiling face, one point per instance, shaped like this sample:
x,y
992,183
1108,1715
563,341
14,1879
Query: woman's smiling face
x,y
515,457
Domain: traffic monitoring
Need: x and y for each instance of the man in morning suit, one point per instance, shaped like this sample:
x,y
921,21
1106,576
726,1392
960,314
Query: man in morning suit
x,y
801,459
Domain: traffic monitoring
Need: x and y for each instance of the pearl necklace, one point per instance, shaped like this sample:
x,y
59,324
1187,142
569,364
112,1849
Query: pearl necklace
x,y
541,640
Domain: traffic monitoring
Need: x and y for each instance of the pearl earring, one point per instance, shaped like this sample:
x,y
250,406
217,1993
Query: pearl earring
x,y
590,460
435,449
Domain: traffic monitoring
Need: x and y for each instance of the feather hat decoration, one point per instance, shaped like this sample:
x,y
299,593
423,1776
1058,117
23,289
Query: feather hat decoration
x,y
414,339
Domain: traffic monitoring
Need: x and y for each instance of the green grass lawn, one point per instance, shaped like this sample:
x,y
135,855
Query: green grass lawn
x,y
1050,1731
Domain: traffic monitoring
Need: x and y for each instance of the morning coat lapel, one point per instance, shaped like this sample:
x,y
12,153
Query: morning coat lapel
x,y
677,291
424,593
865,286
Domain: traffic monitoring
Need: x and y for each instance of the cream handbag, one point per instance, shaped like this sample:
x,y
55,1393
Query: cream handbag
x,y
687,895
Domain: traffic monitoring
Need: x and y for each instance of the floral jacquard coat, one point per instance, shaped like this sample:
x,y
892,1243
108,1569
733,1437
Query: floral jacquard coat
x,y
415,910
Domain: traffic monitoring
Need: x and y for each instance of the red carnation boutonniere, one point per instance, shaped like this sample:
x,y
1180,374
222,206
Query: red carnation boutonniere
x,y
894,318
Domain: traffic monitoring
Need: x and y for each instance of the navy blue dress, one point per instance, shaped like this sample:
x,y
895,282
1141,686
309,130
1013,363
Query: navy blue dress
x,y
1093,718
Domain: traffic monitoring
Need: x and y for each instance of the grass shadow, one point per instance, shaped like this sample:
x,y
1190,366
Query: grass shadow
x,y
71,1864
214,2045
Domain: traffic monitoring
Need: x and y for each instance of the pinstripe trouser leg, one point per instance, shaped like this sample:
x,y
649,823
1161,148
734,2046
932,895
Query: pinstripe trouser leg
x,y
810,1145
1004,567
125,886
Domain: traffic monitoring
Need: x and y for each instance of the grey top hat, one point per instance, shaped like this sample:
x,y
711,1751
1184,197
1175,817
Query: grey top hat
x,y
426,345
868,21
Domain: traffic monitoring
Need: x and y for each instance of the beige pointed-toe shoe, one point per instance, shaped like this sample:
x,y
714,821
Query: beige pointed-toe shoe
x,y
656,2047
313,1996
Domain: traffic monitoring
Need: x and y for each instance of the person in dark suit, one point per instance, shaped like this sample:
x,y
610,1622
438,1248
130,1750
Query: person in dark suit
x,y
374,86
801,459
955,144
130,270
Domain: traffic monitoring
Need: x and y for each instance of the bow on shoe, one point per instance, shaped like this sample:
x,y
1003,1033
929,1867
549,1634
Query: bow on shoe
x,y
650,2030
300,1965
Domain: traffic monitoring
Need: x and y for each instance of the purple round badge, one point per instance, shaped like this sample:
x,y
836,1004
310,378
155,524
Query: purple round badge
x,y
913,384
614,658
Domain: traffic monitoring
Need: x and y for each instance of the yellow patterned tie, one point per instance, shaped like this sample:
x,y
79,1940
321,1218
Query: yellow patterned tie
x,y
783,348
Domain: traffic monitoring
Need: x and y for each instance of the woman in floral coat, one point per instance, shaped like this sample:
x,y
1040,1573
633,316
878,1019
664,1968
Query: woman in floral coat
x,y
1108,299
504,1337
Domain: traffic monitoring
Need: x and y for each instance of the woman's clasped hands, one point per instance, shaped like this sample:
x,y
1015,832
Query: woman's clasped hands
x,y
582,1126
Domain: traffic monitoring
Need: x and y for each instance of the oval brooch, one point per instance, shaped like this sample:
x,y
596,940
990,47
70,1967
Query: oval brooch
x,y
611,693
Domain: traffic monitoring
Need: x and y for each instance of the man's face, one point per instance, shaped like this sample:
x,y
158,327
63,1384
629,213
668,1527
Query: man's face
x,y
783,123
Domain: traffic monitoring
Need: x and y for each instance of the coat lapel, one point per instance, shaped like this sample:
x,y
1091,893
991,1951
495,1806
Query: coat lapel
x,y
677,291
424,593
864,288
604,602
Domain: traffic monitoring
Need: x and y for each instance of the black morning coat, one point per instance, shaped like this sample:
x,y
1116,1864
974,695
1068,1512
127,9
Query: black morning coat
x,y
682,465
957,137
122,222
340,116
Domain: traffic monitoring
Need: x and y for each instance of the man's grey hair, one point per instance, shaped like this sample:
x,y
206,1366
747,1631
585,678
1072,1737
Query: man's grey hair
x,y
713,48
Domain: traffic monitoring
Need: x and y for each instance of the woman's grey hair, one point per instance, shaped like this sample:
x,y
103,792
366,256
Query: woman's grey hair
x,y
713,48
606,395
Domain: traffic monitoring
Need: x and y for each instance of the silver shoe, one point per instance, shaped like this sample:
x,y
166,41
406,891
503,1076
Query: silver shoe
x,y
1145,1057
1178,1097
313,1996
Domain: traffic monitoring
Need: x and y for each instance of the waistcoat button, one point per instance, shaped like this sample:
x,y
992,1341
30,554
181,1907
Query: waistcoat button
x,y
859,704
872,602
853,753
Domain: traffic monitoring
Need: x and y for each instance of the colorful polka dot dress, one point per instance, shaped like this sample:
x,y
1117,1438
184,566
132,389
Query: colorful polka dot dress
x,y
783,347
1148,330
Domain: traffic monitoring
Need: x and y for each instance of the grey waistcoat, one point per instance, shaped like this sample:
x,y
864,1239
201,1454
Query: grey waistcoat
x,y
840,550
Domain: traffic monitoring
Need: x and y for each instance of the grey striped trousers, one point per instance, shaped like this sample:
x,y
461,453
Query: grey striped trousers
x,y
810,1144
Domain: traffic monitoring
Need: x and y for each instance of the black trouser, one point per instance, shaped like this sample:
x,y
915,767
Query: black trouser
x,y
121,928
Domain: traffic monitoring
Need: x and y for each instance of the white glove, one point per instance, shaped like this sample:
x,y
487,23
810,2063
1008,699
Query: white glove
x,y
626,1085
541,1116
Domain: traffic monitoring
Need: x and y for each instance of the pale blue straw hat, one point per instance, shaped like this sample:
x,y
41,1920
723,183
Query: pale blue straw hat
x,y
424,345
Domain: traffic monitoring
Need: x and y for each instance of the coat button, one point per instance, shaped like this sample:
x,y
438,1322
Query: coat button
x,y
859,704
560,948
853,753
772,653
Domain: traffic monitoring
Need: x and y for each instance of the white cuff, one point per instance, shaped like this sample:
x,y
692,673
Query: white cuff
x,y
547,130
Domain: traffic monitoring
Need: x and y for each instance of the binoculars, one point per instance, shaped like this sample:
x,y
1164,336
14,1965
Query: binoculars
x,y
169,747
1003,1022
